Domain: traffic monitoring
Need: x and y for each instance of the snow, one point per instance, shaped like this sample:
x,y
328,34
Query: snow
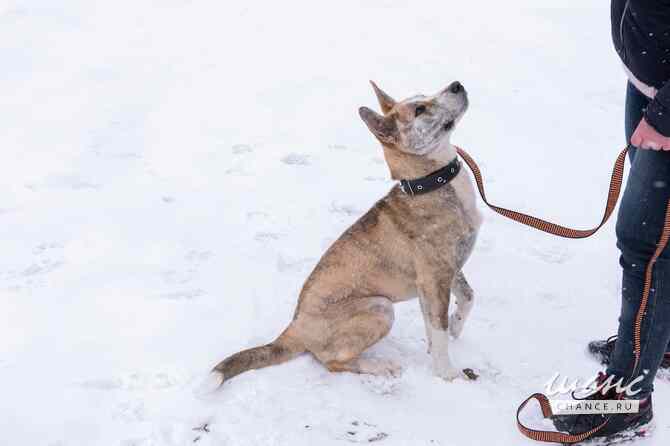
x,y
173,170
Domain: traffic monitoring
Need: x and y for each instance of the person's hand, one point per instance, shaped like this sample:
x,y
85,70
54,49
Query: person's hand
x,y
646,137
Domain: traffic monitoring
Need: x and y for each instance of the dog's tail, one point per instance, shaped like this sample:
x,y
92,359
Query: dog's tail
x,y
282,349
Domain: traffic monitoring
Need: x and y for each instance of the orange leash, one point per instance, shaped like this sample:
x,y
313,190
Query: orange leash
x,y
545,226
562,231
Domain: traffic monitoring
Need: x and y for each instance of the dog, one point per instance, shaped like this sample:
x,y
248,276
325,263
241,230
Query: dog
x,y
407,245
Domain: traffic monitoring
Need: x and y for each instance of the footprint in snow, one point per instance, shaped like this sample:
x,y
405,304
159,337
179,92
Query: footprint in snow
x,y
42,267
553,299
196,256
130,412
236,171
137,381
288,265
267,236
48,258
239,149
44,247
551,254
344,209
296,159
363,432
173,277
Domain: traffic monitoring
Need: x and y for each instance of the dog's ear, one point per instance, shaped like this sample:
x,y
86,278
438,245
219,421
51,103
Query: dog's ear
x,y
386,102
383,127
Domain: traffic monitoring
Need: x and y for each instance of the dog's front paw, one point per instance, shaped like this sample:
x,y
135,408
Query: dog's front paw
x,y
456,323
448,374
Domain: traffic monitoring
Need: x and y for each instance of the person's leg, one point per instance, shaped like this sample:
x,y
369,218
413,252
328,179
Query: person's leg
x,y
639,226
636,104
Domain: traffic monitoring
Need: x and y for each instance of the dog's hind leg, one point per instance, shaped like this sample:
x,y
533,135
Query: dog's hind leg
x,y
358,325
366,366
464,300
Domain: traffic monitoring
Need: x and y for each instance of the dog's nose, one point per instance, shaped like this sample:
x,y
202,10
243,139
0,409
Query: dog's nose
x,y
455,87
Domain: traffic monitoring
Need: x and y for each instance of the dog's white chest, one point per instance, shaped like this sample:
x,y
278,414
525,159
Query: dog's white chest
x,y
462,184
465,192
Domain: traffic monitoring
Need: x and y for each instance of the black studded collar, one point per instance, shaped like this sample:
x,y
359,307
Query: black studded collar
x,y
432,181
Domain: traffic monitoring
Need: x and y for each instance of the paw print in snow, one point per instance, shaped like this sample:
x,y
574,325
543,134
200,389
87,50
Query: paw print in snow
x,y
362,432
296,159
239,149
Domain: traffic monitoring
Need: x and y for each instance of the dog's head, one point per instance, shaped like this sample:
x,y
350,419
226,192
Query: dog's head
x,y
417,125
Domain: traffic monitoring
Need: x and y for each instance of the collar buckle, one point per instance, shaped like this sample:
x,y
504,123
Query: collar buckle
x,y
406,188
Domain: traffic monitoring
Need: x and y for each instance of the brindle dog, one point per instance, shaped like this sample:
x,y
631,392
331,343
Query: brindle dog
x,y
405,246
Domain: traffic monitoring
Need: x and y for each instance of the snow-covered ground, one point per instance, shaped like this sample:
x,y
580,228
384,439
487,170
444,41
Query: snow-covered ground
x,y
172,170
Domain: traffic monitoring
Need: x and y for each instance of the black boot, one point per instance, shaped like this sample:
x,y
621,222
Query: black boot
x,y
620,428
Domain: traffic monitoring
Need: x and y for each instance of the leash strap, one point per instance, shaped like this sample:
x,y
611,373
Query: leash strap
x,y
562,231
543,225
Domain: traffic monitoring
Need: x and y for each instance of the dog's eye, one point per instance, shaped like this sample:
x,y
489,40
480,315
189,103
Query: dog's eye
x,y
420,109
